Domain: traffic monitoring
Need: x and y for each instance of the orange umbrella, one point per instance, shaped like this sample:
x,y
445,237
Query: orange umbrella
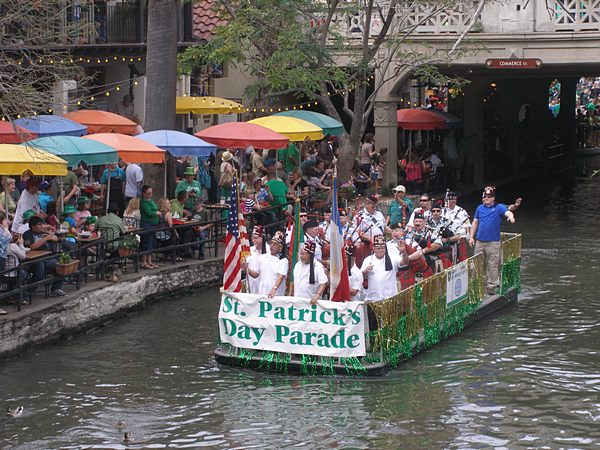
x,y
103,121
130,149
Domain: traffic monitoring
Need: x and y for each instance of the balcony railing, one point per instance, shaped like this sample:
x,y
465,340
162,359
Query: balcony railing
x,y
575,15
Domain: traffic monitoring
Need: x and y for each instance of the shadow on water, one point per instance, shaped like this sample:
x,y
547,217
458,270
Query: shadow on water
x,y
528,377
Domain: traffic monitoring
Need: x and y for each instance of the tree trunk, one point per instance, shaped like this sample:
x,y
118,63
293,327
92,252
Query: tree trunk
x,y
161,73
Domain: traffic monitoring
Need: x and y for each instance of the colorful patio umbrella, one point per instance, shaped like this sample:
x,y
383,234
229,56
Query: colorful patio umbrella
x,y
178,143
130,149
206,105
419,119
17,159
330,126
51,126
99,121
295,129
243,134
11,134
75,149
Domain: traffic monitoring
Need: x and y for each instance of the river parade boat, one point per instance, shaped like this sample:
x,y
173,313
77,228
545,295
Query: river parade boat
x,y
288,335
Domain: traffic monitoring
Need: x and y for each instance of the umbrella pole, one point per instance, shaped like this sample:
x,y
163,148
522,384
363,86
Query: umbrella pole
x,y
62,196
107,193
165,180
6,197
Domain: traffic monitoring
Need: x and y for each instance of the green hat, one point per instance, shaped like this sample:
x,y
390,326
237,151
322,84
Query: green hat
x,y
83,199
189,171
28,214
91,219
69,209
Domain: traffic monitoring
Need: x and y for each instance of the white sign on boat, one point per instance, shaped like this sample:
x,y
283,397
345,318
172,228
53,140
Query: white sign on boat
x,y
292,325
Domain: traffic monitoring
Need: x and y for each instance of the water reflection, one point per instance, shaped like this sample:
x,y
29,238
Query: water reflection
x,y
527,378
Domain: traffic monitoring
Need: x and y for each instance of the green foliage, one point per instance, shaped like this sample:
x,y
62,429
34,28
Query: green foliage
x,y
129,241
64,258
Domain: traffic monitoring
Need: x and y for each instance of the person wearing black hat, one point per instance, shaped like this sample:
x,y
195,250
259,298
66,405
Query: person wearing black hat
x,y
485,235
272,268
355,276
311,234
458,217
310,280
372,221
421,236
381,269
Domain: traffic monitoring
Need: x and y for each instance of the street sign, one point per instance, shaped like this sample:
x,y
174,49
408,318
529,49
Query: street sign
x,y
514,64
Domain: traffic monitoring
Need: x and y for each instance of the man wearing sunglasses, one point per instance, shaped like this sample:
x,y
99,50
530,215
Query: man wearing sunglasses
x,y
424,208
485,235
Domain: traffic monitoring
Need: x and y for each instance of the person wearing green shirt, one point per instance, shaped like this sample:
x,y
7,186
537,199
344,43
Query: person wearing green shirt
x,y
400,208
290,157
113,225
149,213
70,185
191,185
177,205
276,187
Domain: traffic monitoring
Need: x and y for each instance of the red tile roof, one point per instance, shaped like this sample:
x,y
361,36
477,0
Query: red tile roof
x,y
205,20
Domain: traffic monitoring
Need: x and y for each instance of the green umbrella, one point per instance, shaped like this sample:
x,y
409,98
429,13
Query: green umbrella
x,y
76,149
329,125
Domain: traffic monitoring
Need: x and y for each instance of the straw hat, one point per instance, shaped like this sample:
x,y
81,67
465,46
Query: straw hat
x,y
227,156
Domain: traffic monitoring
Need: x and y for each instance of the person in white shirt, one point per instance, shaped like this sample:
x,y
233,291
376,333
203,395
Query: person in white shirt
x,y
257,249
355,276
372,221
459,218
397,236
425,202
311,234
134,177
272,268
381,269
310,280
27,200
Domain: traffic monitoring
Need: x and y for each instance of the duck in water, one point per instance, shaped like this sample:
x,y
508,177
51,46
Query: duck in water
x,y
14,412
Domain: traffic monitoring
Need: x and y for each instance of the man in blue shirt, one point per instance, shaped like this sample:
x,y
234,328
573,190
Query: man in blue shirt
x,y
485,235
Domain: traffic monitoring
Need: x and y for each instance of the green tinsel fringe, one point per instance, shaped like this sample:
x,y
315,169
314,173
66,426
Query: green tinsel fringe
x,y
511,275
266,360
353,366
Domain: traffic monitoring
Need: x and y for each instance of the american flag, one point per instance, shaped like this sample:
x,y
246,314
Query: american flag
x,y
232,273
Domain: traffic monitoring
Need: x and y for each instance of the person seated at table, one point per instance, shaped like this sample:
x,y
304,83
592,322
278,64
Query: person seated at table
x,y
44,195
52,218
166,235
36,239
191,185
70,241
25,225
5,239
16,255
178,205
113,227
6,197
132,216
83,211
202,215
89,226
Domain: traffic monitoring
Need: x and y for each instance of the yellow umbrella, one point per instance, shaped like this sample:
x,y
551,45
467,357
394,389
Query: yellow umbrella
x,y
206,105
295,129
17,159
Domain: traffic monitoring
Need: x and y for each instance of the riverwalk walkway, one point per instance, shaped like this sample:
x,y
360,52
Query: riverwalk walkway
x,y
99,302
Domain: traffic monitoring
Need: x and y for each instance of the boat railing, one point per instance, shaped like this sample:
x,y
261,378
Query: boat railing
x,y
422,315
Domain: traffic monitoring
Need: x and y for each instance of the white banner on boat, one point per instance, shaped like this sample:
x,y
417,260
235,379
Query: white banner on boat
x,y
292,325
457,287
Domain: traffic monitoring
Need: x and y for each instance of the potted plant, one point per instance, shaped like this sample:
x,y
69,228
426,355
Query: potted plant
x,y
347,192
318,199
66,265
128,245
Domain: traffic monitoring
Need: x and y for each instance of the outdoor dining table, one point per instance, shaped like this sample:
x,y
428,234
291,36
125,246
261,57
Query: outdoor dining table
x,y
36,254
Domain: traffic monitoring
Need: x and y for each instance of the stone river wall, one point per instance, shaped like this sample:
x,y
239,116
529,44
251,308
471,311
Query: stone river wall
x,y
98,303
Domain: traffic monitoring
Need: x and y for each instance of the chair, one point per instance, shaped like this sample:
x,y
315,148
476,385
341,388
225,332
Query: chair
x,y
131,222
